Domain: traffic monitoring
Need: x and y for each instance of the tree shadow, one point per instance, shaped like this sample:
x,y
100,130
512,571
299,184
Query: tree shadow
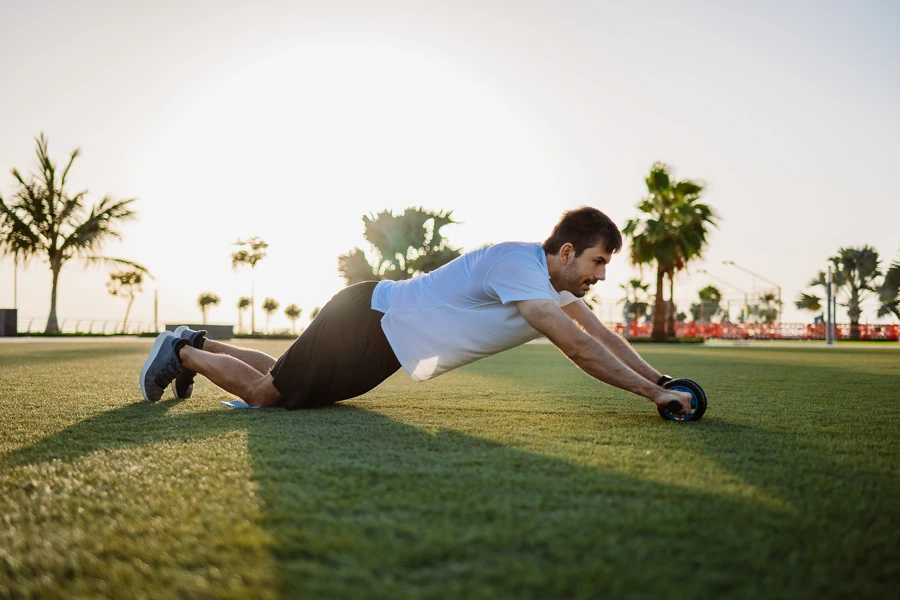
x,y
356,504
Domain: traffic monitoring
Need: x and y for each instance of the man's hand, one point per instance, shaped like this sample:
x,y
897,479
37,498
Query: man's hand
x,y
665,396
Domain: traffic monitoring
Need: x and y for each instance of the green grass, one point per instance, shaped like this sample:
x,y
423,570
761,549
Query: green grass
x,y
515,477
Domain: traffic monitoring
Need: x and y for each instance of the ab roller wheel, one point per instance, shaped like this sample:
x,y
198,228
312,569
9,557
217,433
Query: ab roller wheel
x,y
698,401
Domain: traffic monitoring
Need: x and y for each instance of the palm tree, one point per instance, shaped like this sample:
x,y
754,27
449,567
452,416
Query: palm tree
x,y
314,313
404,244
672,232
710,304
270,305
293,313
251,252
242,303
889,294
206,300
43,219
768,308
854,274
125,284
635,297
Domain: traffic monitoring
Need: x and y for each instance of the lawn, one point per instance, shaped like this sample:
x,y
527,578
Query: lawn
x,y
516,477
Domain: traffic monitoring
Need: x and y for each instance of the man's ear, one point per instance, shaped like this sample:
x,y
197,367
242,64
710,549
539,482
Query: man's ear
x,y
567,253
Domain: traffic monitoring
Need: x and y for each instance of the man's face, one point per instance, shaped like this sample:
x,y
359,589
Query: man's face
x,y
581,272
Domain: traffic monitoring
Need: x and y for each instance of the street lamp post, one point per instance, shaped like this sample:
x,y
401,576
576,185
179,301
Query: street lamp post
x,y
757,275
746,303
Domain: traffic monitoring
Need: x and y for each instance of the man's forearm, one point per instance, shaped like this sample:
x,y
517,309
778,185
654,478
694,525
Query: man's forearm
x,y
625,353
598,361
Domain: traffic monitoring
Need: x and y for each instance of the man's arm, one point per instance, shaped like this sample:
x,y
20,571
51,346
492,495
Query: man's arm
x,y
592,356
588,321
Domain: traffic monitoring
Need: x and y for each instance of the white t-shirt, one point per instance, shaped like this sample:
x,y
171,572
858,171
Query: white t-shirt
x,y
466,309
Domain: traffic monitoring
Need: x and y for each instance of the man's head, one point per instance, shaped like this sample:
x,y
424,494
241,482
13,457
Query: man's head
x,y
579,249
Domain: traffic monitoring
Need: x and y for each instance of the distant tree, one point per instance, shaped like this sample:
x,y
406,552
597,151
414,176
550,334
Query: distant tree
x,y
889,293
853,279
206,300
709,306
293,313
250,252
270,306
125,284
404,245
242,304
768,308
671,232
44,220
314,313
636,298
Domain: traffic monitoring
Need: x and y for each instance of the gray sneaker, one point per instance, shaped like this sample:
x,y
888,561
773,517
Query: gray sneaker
x,y
161,366
183,385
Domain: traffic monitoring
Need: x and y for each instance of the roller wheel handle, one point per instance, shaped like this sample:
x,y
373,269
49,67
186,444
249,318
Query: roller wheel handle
x,y
672,408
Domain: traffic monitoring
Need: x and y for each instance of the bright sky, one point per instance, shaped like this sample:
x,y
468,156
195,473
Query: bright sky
x,y
290,120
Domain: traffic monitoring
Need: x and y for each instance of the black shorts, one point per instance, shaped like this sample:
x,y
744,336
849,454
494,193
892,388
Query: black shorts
x,y
342,354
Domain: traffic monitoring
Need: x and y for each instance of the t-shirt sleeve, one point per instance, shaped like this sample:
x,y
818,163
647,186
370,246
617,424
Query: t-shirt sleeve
x,y
566,298
518,276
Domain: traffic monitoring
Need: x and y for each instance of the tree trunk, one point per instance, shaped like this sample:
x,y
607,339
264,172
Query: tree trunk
x,y
252,299
853,312
240,320
52,325
670,313
127,311
203,310
659,317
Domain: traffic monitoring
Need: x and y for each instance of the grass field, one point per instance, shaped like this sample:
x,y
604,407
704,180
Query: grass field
x,y
516,477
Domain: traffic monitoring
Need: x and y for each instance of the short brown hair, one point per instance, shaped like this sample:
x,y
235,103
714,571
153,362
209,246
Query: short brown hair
x,y
584,228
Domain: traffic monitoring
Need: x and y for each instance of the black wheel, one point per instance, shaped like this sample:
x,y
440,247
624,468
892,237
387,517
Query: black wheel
x,y
698,400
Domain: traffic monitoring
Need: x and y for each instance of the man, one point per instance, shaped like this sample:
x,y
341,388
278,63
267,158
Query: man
x,y
481,303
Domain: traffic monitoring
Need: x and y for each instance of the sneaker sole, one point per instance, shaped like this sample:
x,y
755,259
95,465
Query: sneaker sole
x,y
178,331
153,352
175,392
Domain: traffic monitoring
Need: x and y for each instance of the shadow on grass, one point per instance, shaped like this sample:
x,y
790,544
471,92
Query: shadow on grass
x,y
359,505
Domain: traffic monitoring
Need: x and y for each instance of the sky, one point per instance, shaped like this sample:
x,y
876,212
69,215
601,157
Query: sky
x,y
291,120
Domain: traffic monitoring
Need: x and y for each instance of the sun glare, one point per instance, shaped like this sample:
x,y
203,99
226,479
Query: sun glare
x,y
297,147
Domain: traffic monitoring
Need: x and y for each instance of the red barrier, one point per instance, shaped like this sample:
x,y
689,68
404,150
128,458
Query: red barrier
x,y
761,331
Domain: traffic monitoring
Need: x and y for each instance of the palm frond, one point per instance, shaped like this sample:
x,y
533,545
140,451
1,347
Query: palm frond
x,y
808,302
89,235
93,260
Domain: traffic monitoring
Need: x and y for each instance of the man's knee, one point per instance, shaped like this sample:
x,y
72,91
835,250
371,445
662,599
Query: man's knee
x,y
262,392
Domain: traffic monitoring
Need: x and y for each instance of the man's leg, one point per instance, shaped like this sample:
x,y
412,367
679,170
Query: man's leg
x,y
260,361
233,375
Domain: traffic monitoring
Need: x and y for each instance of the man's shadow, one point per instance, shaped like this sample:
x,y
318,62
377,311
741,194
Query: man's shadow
x,y
355,504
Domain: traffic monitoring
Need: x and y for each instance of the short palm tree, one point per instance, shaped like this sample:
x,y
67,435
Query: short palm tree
x,y
45,220
404,245
635,298
270,305
206,300
293,313
125,284
854,274
242,304
671,233
709,306
250,252
889,294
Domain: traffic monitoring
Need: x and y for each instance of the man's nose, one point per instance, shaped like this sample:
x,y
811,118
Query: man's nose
x,y
600,274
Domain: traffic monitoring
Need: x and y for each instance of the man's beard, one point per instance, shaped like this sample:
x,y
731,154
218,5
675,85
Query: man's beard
x,y
576,284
